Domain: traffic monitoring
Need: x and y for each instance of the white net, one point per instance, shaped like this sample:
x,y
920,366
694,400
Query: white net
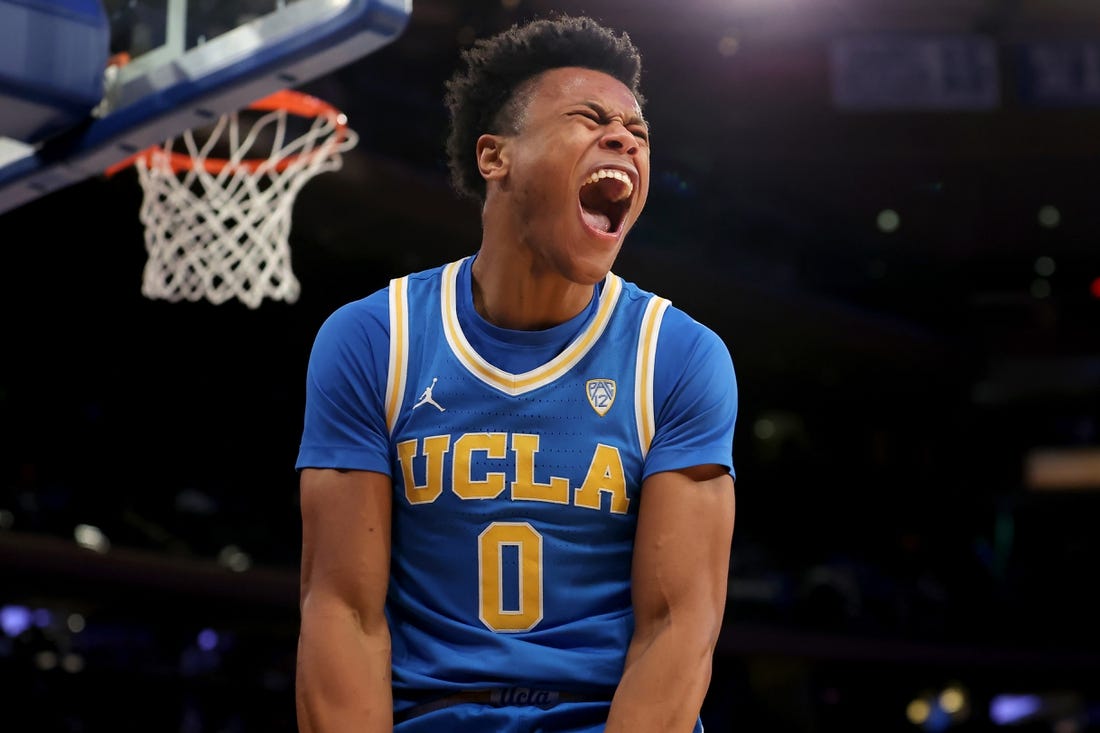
x,y
219,228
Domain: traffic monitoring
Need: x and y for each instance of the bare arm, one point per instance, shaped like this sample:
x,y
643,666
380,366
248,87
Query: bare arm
x,y
680,574
343,673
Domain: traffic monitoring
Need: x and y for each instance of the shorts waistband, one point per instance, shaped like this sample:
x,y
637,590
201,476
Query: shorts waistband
x,y
498,697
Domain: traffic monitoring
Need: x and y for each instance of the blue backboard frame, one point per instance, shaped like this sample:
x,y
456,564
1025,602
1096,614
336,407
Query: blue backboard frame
x,y
150,103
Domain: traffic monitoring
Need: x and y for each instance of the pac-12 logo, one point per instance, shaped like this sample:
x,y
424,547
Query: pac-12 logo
x,y
601,394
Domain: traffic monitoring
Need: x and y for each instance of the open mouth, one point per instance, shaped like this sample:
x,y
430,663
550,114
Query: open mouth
x,y
605,199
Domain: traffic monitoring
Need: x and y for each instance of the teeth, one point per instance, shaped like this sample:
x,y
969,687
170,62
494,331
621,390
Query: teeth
x,y
617,175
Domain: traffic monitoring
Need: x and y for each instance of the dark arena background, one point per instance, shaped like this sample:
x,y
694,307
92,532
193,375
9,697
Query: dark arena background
x,y
890,211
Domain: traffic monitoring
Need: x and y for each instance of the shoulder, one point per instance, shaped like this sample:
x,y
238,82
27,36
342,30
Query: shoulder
x,y
680,333
359,317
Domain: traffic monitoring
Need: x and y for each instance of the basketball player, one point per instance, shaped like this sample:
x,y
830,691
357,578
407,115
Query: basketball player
x,y
516,469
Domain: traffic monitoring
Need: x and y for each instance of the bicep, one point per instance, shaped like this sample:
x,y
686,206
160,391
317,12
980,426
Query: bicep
x,y
345,541
682,547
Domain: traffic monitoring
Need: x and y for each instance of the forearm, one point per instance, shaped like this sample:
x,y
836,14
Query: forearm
x,y
664,682
680,574
343,674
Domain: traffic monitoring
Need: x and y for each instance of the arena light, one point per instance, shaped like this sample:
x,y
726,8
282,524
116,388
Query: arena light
x,y
1045,266
954,700
91,537
1013,709
14,620
207,640
72,663
1062,468
234,558
937,711
1049,216
888,221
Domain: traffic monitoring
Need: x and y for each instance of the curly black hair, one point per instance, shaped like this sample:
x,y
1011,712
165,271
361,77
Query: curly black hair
x,y
481,98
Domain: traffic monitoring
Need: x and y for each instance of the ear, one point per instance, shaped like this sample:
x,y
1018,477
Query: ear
x,y
492,157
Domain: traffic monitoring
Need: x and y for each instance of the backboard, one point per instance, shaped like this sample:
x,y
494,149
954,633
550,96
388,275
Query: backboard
x,y
188,61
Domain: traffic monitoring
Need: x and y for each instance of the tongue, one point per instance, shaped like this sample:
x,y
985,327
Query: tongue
x,y
596,220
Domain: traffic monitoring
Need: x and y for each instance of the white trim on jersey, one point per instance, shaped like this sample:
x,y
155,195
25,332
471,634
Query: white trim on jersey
x,y
399,349
643,371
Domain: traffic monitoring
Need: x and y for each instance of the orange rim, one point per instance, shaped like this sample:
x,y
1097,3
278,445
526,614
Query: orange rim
x,y
296,103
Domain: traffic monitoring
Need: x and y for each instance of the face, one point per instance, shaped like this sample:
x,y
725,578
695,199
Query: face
x,y
576,174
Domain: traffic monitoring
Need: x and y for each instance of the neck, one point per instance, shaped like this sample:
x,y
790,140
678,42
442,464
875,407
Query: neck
x,y
513,288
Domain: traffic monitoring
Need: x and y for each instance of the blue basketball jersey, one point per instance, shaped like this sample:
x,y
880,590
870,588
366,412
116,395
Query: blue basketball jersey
x,y
517,460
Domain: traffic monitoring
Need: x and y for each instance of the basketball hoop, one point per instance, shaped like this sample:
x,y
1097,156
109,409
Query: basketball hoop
x,y
217,213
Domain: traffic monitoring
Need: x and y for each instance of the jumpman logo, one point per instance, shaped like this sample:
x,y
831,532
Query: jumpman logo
x,y
426,396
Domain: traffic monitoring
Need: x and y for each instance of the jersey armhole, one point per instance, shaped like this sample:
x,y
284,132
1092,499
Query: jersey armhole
x,y
399,350
644,411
